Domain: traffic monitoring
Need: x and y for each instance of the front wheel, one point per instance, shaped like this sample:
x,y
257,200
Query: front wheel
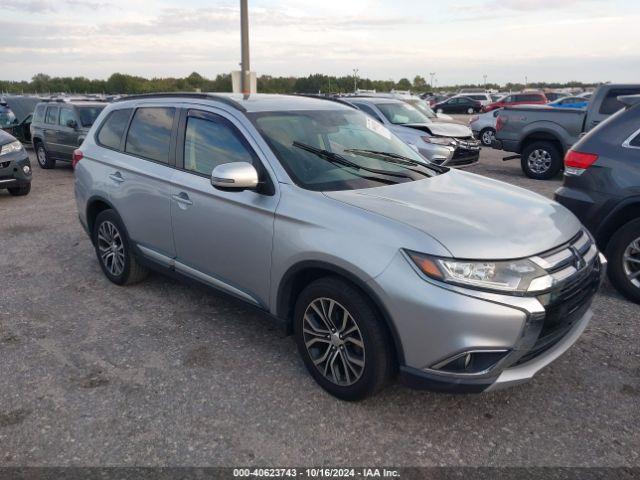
x,y
114,251
623,253
541,160
470,110
487,135
342,340
44,160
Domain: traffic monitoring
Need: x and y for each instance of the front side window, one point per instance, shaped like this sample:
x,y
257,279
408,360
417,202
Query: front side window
x,y
88,115
327,150
401,113
208,144
66,115
52,115
423,107
113,128
149,135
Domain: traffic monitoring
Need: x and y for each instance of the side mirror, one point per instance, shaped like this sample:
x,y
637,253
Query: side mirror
x,y
235,176
72,123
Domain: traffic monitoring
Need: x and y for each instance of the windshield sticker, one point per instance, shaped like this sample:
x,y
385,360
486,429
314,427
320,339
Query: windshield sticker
x,y
377,128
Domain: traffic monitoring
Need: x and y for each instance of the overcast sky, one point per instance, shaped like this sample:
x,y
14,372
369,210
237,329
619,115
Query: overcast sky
x,y
460,40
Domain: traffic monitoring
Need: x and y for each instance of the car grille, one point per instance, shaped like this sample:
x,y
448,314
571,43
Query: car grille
x,y
467,152
577,268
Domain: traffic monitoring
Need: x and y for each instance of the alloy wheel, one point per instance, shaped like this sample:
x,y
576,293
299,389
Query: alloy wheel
x,y
539,161
631,262
42,156
111,248
333,341
487,137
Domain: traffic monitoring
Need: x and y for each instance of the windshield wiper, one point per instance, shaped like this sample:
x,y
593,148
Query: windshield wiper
x,y
338,159
394,158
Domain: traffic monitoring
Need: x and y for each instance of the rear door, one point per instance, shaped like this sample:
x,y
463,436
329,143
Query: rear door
x,y
223,238
50,131
139,173
67,132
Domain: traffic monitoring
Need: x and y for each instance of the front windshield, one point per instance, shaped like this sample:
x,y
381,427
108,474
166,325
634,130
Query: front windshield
x,y
88,115
401,113
326,150
423,107
7,117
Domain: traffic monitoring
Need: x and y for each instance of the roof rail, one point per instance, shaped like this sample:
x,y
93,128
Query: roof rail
x,y
210,96
322,97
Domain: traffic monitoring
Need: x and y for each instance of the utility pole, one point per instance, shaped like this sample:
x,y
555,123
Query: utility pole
x,y
355,79
526,82
432,74
245,80
485,82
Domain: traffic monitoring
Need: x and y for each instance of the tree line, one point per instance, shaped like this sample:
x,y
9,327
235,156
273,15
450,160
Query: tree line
x,y
315,83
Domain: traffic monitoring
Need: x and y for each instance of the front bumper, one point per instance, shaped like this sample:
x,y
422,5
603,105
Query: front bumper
x,y
12,172
433,323
462,154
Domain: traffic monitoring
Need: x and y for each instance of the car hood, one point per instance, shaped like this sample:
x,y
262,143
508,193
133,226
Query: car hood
x,y
472,216
6,137
442,129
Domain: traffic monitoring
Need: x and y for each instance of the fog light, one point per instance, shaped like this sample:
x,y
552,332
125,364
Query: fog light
x,y
472,362
26,169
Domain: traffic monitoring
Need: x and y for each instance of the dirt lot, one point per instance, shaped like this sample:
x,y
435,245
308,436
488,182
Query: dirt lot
x,y
164,373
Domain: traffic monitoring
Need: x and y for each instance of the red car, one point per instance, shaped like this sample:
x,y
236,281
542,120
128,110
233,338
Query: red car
x,y
532,98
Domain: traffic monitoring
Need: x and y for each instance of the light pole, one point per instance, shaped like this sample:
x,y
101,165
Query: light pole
x,y
526,82
355,79
245,82
432,74
485,82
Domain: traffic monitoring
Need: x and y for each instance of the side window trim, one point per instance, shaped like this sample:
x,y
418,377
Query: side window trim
x,y
185,113
171,162
627,143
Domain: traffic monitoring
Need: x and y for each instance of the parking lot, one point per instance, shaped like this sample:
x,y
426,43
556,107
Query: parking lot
x,y
165,373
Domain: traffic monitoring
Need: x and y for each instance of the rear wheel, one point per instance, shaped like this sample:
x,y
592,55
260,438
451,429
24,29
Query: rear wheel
x,y
470,110
114,251
623,253
20,191
342,340
44,160
541,160
487,135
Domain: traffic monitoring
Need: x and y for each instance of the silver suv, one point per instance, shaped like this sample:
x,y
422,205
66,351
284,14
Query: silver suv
x,y
312,211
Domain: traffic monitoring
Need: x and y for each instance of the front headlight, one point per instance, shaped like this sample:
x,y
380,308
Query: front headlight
x,y
438,140
11,148
515,276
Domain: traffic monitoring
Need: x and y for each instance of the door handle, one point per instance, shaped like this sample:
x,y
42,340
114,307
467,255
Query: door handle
x,y
182,198
116,177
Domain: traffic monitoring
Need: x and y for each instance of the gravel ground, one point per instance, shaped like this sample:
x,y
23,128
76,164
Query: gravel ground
x,y
164,373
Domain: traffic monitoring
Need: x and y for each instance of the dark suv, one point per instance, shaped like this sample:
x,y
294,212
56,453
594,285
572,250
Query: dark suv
x,y
602,187
59,127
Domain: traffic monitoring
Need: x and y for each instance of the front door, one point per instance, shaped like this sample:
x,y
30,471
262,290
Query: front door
x,y
67,133
223,238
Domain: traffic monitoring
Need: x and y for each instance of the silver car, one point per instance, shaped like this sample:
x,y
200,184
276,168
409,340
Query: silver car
x,y
450,144
377,261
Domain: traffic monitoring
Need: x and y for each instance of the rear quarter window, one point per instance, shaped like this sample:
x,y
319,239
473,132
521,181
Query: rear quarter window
x,y
149,135
635,141
113,128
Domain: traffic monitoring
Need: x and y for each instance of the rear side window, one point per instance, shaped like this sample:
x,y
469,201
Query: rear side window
x,y
208,144
610,104
110,134
52,115
150,133
38,114
635,141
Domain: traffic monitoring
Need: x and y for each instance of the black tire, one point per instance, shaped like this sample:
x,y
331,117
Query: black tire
x,y
20,191
542,149
379,366
131,271
43,158
486,131
618,244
